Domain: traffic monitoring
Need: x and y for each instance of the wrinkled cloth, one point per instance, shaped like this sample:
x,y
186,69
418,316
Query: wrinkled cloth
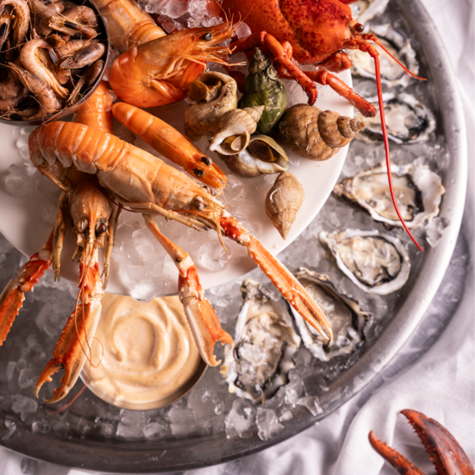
x,y
432,374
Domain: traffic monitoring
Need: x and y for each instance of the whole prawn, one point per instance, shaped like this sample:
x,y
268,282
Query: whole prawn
x,y
158,72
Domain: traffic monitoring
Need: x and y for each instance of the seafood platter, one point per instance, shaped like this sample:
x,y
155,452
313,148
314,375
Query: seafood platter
x,y
198,151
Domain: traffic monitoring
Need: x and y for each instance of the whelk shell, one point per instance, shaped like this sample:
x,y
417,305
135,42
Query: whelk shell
x,y
234,130
215,94
315,134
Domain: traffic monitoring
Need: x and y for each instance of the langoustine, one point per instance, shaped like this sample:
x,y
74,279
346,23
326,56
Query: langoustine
x,y
145,184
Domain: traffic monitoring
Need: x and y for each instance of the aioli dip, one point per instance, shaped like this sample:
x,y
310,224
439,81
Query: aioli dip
x,y
149,356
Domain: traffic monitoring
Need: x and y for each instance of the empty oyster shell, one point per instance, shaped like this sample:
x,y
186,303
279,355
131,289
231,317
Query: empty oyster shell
x,y
262,155
418,193
407,120
264,345
375,262
391,73
234,130
315,134
364,10
215,94
347,320
283,201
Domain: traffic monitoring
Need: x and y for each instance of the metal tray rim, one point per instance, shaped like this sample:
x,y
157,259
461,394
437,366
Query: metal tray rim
x,y
137,457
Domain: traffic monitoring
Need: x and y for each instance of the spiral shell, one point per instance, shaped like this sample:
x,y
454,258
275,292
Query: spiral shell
x,y
315,134
215,94
263,155
234,130
283,201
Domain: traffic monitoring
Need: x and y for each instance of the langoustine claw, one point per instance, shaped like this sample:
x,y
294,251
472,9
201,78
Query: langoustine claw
x,y
445,452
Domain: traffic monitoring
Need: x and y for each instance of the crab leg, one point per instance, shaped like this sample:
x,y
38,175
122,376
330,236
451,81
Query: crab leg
x,y
290,288
11,299
73,346
170,143
445,452
201,316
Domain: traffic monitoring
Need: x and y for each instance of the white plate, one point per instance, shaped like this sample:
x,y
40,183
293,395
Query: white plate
x,y
27,211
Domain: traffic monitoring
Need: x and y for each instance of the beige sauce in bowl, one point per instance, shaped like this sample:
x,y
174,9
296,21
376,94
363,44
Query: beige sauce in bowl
x,y
149,357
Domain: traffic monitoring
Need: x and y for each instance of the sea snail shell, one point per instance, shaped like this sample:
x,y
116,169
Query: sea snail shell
x,y
262,155
234,130
314,134
215,94
283,201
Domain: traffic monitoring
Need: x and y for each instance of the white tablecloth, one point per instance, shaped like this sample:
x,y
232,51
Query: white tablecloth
x,y
438,380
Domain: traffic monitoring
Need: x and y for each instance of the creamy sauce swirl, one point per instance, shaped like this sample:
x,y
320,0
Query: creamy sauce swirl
x,y
148,350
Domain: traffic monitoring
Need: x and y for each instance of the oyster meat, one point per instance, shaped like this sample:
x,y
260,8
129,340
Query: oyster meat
x,y
375,262
347,320
264,344
364,10
408,121
391,73
418,193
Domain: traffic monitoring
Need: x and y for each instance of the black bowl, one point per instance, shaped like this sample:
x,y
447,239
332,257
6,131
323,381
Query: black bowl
x,y
104,37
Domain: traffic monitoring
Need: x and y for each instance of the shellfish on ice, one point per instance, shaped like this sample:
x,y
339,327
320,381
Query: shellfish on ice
x,y
418,193
346,318
376,262
264,345
408,121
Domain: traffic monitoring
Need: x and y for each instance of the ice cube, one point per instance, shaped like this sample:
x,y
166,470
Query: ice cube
x,y
10,424
155,430
10,370
144,291
40,427
183,421
27,378
23,404
242,30
240,420
312,403
213,256
267,423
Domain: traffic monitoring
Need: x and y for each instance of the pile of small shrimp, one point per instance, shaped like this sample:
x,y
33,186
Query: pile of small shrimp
x,y
49,56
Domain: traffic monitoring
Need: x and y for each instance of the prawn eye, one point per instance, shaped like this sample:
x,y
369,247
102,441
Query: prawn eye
x,y
208,36
199,203
359,28
100,228
83,225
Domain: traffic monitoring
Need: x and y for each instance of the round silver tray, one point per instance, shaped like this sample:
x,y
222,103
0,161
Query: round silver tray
x,y
193,452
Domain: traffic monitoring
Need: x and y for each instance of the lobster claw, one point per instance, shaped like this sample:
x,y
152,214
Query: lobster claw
x,y
73,346
445,452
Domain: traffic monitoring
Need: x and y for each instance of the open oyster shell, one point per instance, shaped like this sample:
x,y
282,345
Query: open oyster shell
x,y
364,10
346,318
264,344
375,262
408,121
418,191
391,73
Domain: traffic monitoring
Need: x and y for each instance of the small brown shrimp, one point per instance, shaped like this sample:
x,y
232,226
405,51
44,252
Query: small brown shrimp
x,y
21,23
5,22
67,48
35,64
86,80
83,15
44,94
12,91
84,57
46,20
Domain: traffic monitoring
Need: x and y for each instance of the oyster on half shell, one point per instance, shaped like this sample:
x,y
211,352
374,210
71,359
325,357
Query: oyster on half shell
x,y
265,341
408,121
346,318
375,262
391,72
418,193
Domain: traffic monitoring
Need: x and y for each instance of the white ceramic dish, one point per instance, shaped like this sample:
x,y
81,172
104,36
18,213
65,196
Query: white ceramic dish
x,y
26,215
